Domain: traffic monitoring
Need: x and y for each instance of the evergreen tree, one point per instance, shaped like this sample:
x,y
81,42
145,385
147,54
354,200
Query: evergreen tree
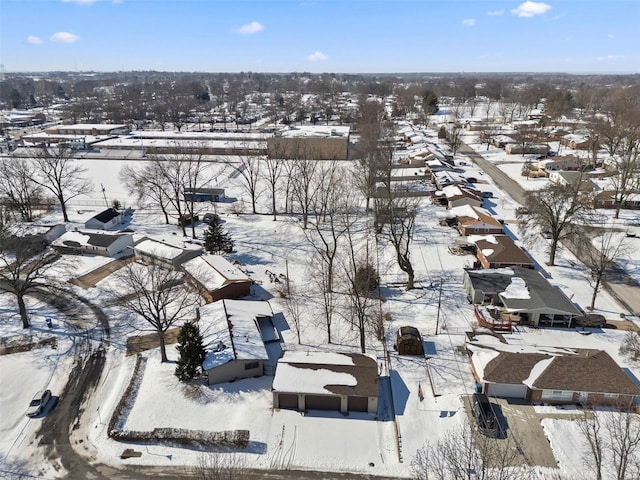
x,y
192,352
216,239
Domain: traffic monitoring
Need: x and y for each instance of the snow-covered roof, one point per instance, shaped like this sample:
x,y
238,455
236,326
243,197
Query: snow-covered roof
x,y
326,373
161,249
214,271
315,131
83,238
230,331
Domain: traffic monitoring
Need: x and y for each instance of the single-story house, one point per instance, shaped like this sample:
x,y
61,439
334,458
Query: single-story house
x,y
96,243
457,195
553,375
204,195
326,381
443,178
520,149
564,162
607,199
108,219
474,220
522,294
160,251
577,142
217,278
572,178
234,333
496,251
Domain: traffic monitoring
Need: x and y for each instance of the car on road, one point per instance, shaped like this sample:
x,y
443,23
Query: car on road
x,y
39,402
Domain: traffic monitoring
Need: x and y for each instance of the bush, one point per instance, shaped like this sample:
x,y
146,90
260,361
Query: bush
x,y
631,346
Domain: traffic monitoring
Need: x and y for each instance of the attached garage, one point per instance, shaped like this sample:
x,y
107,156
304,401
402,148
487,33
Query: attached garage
x,y
505,390
288,400
340,382
321,402
358,404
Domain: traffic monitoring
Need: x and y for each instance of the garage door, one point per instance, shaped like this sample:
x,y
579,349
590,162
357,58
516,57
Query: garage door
x,y
505,390
288,400
358,404
317,402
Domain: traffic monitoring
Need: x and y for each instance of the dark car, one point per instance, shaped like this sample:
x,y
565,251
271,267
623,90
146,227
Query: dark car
x,y
484,414
39,402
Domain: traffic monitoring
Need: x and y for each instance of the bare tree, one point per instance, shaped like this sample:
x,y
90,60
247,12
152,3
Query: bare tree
x,y
402,217
359,276
293,302
463,454
593,432
220,466
599,253
272,173
248,170
24,261
627,178
148,183
624,431
156,294
558,210
58,173
17,185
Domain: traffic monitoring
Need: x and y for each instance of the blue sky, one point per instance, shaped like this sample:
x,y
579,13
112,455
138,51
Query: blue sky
x,y
347,36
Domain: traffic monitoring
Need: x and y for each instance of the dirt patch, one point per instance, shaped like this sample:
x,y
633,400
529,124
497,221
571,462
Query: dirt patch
x,y
147,342
624,325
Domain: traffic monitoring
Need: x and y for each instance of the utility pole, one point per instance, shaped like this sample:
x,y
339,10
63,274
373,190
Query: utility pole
x,y
104,194
439,303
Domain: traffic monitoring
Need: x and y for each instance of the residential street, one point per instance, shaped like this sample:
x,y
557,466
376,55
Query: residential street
x,y
619,284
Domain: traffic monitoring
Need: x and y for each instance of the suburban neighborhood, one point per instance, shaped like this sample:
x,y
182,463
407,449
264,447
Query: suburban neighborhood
x,y
318,275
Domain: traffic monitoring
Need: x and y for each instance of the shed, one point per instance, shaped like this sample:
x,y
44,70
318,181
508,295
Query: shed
x,y
105,220
409,341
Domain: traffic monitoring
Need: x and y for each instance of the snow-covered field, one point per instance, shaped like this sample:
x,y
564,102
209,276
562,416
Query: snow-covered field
x,y
286,439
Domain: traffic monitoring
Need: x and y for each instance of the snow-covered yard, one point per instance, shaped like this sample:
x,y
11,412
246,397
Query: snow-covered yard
x,y
315,440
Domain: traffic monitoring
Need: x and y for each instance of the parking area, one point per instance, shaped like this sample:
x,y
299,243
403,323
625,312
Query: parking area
x,y
522,432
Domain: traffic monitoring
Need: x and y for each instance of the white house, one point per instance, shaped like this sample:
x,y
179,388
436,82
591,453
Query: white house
x,y
97,243
234,334
108,219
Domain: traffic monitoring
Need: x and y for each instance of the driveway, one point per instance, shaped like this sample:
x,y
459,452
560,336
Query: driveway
x,y
522,432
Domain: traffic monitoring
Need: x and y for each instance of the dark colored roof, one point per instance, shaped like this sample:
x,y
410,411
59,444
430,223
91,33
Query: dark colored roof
x,y
490,281
408,330
107,215
101,240
509,367
505,251
593,372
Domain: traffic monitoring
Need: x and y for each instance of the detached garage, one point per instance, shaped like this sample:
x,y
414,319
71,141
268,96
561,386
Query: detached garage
x,y
340,382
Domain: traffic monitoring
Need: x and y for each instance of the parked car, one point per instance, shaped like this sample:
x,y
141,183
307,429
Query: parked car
x,y
39,402
484,414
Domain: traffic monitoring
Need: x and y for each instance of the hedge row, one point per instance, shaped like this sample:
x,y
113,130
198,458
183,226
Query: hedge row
x,y
122,404
182,436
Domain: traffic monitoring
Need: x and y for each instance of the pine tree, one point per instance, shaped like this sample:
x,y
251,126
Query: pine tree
x,y
192,352
216,239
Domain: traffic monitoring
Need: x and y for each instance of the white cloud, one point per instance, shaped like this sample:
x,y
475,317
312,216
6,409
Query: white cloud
x,y
64,37
31,40
609,57
250,28
317,57
496,13
530,9
469,22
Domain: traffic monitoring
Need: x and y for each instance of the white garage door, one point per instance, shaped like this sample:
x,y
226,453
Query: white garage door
x,y
505,390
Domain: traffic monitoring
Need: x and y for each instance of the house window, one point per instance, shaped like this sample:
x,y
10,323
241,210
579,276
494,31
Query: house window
x,y
611,396
251,365
557,395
